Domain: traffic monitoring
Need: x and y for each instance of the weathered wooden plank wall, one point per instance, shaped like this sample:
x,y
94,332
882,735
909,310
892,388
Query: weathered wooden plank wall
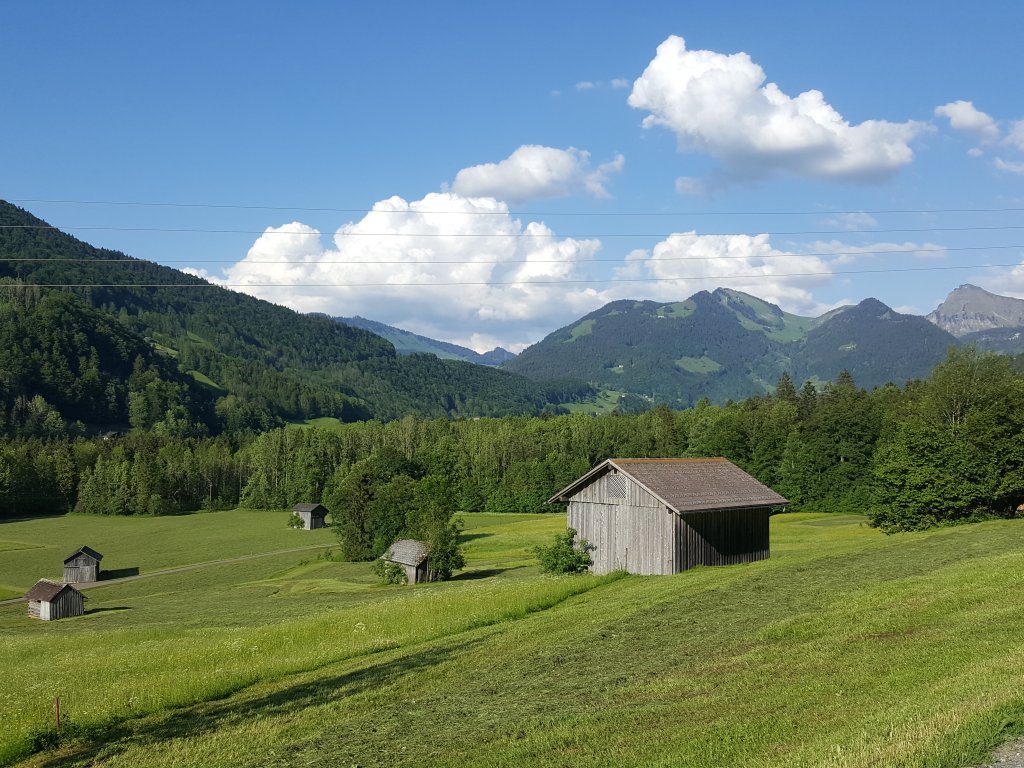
x,y
627,527
81,568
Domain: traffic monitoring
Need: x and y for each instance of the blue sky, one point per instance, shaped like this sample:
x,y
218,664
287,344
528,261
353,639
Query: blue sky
x,y
527,163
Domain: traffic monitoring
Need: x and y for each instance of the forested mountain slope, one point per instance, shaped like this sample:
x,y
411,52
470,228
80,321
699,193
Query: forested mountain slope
x,y
874,343
264,362
407,343
729,345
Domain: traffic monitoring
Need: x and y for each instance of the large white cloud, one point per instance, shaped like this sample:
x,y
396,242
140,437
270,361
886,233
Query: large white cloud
x,y
501,280
965,117
720,104
533,172
686,262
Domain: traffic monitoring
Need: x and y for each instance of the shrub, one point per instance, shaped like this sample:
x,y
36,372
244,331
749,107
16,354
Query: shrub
x,y
562,556
295,521
390,573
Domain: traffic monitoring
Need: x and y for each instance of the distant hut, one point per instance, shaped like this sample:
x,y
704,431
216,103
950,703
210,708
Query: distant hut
x,y
82,565
661,516
49,600
312,515
413,556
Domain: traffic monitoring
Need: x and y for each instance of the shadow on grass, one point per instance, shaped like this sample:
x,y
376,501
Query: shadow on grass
x,y
464,537
119,573
483,573
107,610
102,743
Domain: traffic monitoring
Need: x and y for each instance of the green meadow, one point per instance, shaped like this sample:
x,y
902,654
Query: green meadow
x,y
846,648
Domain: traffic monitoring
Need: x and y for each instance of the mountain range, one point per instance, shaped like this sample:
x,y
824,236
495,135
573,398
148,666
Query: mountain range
x,y
408,343
95,336
142,344
726,344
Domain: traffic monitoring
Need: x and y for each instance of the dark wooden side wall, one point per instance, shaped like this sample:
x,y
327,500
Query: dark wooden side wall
x,y
68,603
723,537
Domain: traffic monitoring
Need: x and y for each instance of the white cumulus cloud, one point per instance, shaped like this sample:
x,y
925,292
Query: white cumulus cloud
x,y
533,172
720,104
448,266
963,116
686,262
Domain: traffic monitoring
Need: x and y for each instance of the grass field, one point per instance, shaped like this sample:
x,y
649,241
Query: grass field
x,y
847,648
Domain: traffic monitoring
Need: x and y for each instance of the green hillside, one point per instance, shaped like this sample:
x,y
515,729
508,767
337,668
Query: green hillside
x,y
728,345
874,343
408,343
847,648
263,363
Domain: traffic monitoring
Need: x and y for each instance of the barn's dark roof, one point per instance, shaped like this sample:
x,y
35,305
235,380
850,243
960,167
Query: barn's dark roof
x,y
319,509
46,591
686,485
406,552
84,551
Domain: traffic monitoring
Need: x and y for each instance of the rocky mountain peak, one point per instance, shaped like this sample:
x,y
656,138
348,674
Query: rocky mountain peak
x,y
969,309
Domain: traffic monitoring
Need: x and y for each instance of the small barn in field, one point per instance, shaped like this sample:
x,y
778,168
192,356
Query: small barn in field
x,y
49,600
413,556
662,516
313,516
82,565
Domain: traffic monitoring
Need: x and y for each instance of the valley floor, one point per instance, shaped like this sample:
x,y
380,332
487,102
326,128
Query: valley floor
x,y
847,648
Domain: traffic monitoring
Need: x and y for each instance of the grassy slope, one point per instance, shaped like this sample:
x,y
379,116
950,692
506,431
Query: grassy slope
x,y
174,639
33,549
848,648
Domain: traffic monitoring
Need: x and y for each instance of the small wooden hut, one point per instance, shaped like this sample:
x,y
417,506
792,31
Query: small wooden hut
x,y
413,556
49,600
312,515
82,565
662,516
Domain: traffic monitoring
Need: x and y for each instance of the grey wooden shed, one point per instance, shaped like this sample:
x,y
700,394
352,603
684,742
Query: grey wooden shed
x,y
312,515
413,556
49,600
661,516
82,565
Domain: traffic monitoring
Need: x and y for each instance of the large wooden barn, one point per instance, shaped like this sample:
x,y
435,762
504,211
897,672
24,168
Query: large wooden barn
x,y
661,516
49,600
313,516
413,556
82,565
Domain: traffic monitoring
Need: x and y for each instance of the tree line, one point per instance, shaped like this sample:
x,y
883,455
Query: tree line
x,y
946,449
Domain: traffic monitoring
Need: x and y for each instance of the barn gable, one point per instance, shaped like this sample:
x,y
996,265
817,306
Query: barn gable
x,y
659,516
82,565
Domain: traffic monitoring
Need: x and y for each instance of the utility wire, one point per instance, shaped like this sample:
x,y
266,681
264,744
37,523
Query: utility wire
x,y
325,209
772,275
825,254
513,235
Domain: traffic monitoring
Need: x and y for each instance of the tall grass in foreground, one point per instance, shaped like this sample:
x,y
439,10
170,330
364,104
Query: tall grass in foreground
x,y
898,652
102,676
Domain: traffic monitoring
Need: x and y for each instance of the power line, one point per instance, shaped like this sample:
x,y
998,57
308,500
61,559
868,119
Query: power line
x,y
327,209
780,255
513,235
888,270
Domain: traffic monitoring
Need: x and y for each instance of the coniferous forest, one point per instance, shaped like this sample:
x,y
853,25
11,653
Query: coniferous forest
x,y
943,450
155,399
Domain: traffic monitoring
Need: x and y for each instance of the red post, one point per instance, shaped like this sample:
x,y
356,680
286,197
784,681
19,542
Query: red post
x,y
56,712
